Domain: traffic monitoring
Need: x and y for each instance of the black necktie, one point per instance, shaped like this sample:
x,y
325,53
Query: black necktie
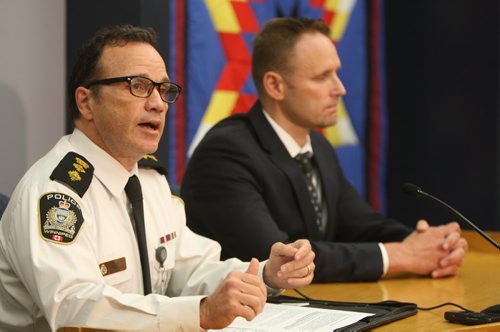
x,y
134,194
305,164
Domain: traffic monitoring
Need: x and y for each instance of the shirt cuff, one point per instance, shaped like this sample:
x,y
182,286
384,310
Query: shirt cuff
x,y
271,292
180,313
385,258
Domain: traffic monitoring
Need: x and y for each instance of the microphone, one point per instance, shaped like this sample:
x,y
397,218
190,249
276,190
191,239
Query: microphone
x,y
414,190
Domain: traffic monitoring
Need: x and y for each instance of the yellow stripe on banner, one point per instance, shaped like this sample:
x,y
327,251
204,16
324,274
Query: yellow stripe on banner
x,y
344,6
223,16
342,133
342,11
220,106
339,25
332,4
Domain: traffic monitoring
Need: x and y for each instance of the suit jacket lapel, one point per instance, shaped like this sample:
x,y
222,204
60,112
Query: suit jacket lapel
x,y
278,154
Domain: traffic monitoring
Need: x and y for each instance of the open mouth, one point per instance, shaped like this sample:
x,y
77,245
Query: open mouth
x,y
150,125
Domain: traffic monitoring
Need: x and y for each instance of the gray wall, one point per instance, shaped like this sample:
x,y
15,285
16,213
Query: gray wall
x,y
32,83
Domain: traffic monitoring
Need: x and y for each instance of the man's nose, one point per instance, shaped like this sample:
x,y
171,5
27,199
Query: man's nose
x,y
155,103
338,86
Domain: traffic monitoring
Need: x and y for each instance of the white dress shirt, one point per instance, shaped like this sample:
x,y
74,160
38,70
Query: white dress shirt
x,y
45,285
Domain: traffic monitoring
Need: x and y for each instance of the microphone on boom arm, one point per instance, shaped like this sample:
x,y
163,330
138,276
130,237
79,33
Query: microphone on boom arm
x,y
414,190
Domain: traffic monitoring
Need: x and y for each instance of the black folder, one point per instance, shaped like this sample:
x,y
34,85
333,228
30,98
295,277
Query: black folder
x,y
383,312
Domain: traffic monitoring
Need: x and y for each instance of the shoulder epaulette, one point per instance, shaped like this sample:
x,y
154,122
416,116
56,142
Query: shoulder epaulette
x,y
75,171
150,161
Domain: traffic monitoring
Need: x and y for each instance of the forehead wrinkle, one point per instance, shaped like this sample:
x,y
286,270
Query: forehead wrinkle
x,y
140,59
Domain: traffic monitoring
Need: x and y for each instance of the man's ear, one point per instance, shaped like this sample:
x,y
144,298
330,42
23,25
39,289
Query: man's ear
x,y
274,85
84,102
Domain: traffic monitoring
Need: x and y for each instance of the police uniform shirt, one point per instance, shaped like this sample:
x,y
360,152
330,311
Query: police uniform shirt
x,y
71,260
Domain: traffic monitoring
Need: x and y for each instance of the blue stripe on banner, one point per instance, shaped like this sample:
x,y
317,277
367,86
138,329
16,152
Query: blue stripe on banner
x,y
353,56
205,62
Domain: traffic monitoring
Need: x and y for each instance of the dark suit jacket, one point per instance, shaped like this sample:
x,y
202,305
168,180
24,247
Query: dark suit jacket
x,y
244,190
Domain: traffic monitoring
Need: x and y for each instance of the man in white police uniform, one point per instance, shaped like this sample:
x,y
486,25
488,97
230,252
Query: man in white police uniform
x,y
77,248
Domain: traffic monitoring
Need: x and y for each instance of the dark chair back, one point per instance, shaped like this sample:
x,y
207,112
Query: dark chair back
x,y
3,203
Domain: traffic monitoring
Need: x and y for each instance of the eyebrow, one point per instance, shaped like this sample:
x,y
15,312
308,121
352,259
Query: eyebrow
x,y
164,78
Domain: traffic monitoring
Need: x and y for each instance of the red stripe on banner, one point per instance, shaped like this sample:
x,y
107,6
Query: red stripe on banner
x,y
317,3
244,103
234,76
235,47
239,62
374,108
328,17
246,17
180,111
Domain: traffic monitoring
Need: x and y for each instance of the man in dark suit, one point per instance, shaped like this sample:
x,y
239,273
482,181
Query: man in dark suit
x,y
246,188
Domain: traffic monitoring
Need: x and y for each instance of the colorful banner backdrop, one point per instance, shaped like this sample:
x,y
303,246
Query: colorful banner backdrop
x,y
211,45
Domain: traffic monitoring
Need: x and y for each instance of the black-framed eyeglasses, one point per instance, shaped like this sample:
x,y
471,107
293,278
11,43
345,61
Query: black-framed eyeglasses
x,y
142,87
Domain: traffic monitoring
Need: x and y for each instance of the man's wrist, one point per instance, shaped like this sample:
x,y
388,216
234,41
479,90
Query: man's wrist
x,y
203,313
271,291
385,259
398,263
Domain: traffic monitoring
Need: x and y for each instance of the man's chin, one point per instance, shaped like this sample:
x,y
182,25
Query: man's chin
x,y
152,150
328,123
149,148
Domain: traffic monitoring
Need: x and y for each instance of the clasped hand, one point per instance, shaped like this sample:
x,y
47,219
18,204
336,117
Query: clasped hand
x,y
436,251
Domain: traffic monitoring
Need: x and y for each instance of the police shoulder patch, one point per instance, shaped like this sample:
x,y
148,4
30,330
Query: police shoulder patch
x,y
150,161
75,171
60,218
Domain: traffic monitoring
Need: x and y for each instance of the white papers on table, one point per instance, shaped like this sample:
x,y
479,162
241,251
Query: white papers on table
x,y
284,317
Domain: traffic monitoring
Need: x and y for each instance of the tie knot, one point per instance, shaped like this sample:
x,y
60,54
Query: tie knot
x,y
133,189
304,160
